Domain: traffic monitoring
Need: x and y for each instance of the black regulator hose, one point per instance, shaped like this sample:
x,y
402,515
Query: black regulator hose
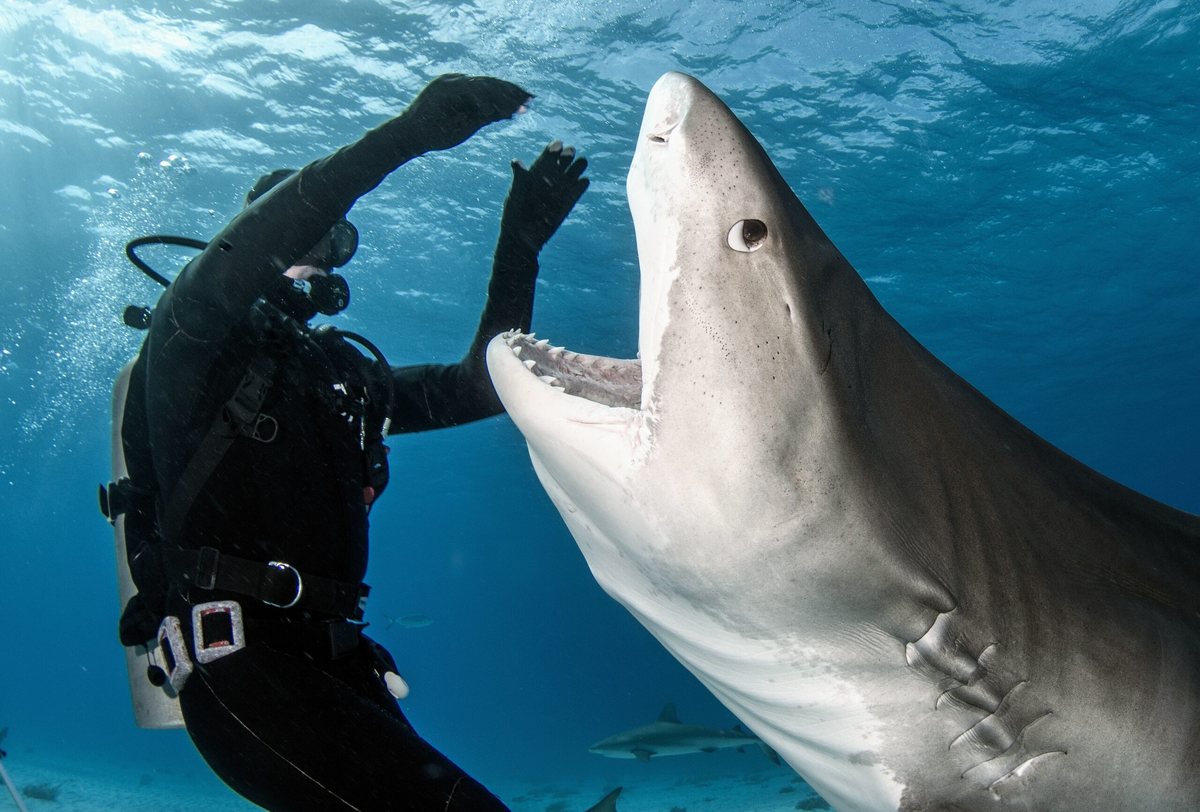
x,y
159,239
383,363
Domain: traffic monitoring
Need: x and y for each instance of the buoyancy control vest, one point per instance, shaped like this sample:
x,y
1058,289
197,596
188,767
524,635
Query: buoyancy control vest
x,y
146,522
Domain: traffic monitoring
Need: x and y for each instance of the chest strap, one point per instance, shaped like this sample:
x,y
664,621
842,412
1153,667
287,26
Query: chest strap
x,y
275,583
239,415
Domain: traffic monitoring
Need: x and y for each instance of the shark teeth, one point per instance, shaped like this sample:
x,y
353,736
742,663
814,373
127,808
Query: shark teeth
x,y
606,381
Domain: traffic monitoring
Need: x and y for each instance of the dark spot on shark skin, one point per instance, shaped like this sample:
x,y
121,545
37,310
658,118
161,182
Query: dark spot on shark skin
x,y
786,790
829,356
678,809
557,806
864,758
812,803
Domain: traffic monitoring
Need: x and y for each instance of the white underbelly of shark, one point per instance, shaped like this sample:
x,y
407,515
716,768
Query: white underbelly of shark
x,y
913,599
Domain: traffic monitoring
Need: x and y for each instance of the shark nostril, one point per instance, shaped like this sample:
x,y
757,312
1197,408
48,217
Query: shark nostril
x,y
747,235
662,134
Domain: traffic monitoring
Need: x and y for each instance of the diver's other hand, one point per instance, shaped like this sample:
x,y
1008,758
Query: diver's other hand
x,y
453,107
543,195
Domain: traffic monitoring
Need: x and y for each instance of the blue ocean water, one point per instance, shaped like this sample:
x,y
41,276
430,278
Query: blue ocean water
x,y
1017,182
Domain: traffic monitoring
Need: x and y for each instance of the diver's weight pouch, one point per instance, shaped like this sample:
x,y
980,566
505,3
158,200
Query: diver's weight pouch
x,y
154,707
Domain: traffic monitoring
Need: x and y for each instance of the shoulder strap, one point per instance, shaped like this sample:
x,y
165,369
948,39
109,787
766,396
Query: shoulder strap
x,y
239,412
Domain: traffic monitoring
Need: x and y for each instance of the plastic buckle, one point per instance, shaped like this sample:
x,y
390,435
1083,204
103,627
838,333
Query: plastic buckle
x,y
247,399
344,637
361,605
173,653
284,567
105,508
113,501
217,630
206,568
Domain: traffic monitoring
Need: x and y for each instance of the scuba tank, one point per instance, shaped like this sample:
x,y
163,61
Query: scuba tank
x,y
155,703
154,707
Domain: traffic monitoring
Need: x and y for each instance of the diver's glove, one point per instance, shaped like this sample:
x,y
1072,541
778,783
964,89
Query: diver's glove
x,y
453,107
542,196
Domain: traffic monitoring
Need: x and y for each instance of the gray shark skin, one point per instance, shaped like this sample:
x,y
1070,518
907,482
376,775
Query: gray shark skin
x,y
608,803
916,601
667,736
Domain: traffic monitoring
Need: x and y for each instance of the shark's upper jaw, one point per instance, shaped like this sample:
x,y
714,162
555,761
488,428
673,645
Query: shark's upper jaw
x,y
559,399
606,381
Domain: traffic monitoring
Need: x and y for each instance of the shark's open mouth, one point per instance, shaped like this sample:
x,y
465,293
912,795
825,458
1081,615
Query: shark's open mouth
x,y
611,382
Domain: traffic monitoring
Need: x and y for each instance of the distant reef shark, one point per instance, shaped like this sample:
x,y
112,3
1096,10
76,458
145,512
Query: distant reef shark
x,y
670,737
916,601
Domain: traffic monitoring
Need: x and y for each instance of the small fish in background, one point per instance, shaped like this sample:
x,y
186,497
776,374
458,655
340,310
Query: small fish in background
x,y
408,621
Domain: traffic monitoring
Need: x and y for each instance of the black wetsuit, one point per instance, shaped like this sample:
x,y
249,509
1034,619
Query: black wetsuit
x,y
286,725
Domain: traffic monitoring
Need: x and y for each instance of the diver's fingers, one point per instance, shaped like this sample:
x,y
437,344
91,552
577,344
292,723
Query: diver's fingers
x,y
577,168
547,158
499,98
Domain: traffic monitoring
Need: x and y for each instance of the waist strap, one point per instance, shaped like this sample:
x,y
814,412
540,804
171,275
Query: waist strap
x,y
275,583
326,639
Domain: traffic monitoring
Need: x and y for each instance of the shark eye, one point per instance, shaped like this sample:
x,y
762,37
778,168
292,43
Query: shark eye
x,y
747,235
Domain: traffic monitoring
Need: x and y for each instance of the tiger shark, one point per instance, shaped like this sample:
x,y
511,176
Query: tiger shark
x,y
667,736
911,597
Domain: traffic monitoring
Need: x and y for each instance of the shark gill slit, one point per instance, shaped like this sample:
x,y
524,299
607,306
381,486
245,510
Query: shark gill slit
x,y
1018,742
995,714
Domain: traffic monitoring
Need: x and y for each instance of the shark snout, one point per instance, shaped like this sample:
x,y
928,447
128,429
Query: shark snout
x,y
674,98
668,104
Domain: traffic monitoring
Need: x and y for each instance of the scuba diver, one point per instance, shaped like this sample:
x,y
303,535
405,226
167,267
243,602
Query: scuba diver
x,y
254,445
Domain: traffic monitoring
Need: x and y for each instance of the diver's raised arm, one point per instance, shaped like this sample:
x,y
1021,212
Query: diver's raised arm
x,y
281,227
541,197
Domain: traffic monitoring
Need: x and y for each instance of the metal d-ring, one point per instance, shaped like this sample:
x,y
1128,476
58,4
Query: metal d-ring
x,y
283,565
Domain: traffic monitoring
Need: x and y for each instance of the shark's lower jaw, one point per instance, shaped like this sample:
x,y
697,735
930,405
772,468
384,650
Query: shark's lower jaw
x,y
610,382
561,399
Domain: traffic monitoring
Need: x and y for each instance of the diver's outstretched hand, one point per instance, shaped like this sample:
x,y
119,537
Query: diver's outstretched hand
x,y
543,195
453,107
